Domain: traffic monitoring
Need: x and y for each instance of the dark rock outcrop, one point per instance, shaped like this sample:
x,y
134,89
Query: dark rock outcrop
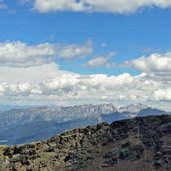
x,y
139,144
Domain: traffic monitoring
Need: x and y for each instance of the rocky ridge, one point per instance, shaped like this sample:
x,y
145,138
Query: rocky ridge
x,y
138,144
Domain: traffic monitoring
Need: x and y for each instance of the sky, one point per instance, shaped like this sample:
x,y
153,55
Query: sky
x,y
69,52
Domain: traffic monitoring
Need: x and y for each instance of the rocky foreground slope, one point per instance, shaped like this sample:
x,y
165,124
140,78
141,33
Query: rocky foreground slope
x,y
139,144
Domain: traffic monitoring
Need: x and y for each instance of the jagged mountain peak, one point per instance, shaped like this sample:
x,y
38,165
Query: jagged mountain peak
x,y
133,108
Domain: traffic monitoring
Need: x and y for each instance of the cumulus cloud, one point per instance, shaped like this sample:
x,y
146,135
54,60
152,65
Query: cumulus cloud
x,y
32,74
20,62
102,61
112,6
73,50
19,54
69,88
163,94
154,62
97,62
158,66
158,69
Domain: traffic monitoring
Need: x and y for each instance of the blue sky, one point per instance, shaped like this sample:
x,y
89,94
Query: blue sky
x,y
133,32
128,35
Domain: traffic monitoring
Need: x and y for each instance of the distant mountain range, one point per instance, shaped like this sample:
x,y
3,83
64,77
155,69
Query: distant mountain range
x,y
38,123
57,114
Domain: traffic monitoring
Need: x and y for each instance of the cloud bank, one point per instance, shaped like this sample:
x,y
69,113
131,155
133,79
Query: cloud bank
x,y
30,74
110,6
72,87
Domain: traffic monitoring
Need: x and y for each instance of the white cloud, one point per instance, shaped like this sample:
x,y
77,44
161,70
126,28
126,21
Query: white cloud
x,y
30,74
158,66
19,54
154,62
97,62
102,61
158,69
73,50
163,94
68,88
20,62
113,6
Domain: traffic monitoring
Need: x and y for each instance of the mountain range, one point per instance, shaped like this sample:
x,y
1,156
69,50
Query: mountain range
x,y
26,125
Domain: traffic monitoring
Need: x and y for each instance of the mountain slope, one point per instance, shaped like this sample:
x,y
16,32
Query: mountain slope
x,y
38,131
139,144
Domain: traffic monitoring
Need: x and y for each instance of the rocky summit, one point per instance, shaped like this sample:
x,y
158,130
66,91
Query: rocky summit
x,y
139,144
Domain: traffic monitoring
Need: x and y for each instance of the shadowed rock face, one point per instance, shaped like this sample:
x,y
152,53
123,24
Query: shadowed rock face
x,y
139,144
